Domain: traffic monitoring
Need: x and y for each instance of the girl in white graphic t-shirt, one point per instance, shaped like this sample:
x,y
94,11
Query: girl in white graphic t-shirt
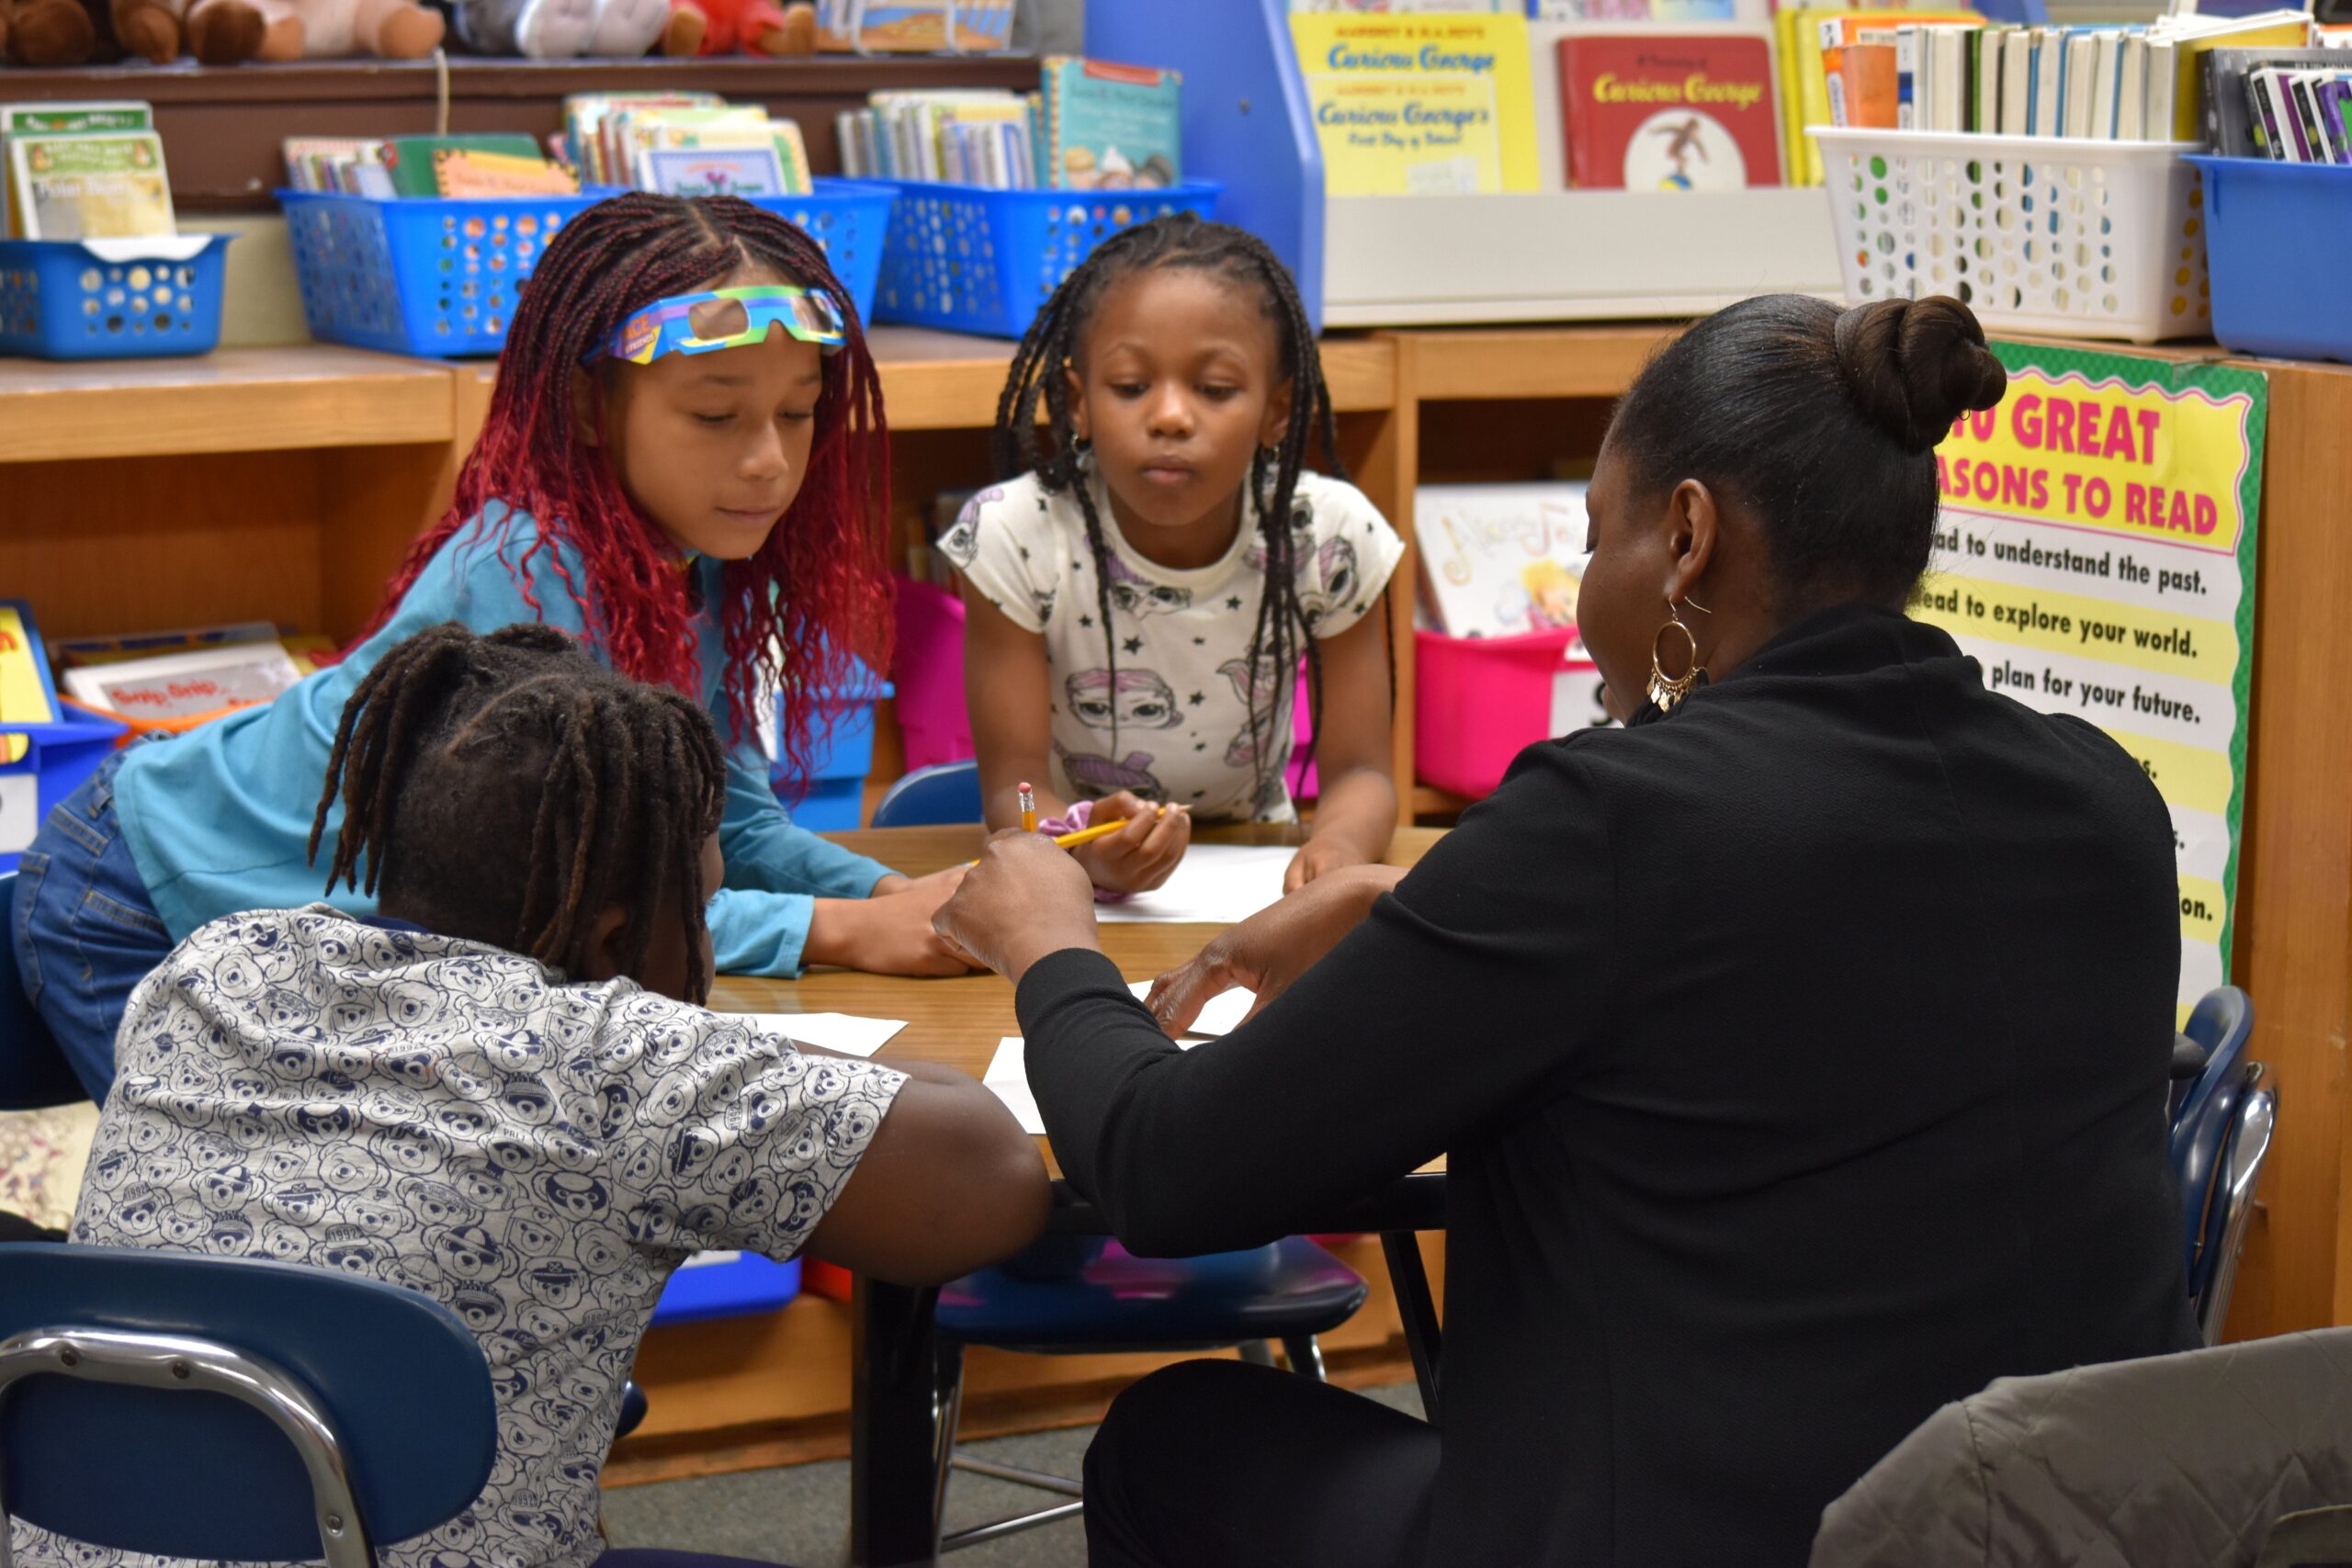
x,y
1140,599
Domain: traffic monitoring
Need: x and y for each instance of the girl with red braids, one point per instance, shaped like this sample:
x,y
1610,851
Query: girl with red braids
x,y
684,466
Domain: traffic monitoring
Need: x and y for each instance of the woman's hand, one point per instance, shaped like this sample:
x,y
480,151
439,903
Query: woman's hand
x,y
1321,855
889,931
1141,856
1273,947
1026,898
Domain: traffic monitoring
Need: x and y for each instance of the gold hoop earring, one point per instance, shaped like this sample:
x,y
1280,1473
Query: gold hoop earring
x,y
1666,690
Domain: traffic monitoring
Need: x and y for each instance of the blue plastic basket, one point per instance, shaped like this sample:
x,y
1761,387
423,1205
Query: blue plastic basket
x,y
111,298
712,1285
972,259
2277,240
440,277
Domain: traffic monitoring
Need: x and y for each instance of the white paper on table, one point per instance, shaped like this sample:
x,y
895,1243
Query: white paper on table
x,y
846,1033
1214,884
1222,1015
1008,1079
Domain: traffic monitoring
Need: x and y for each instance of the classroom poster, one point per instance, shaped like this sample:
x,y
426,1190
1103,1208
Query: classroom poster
x,y
2096,555
1420,105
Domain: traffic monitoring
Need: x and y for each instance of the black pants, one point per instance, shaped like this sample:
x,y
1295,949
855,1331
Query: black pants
x,y
1222,1464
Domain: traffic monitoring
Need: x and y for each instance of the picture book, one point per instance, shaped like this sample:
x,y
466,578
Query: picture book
x,y
410,159
745,172
2193,37
1502,559
587,118
109,185
2231,126
61,118
1409,105
469,171
1111,127
1804,81
915,27
26,694
1669,112
183,685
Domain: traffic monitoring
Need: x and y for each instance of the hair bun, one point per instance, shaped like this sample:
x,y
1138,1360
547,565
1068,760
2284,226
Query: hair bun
x,y
1917,364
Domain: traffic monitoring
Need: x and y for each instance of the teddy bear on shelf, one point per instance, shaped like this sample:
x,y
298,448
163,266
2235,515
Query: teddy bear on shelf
x,y
331,30
560,29
756,27
54,33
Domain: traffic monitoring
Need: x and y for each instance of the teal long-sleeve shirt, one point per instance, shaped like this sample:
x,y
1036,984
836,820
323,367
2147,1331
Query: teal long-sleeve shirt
x,y
219,820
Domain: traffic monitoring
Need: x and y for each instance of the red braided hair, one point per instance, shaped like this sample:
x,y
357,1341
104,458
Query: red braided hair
x,y
818,592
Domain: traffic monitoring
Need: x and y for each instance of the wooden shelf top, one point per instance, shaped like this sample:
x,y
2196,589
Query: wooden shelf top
x,y
252,399
1597,360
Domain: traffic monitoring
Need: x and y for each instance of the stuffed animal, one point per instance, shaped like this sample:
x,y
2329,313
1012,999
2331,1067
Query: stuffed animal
x,y
50,33
218,33
721,26
331,30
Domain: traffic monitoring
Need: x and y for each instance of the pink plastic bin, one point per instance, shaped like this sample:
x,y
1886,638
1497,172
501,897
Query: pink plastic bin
x,y
928,669
1479,701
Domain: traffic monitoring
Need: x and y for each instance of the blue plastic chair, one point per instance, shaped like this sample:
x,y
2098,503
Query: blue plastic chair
x,y
2219,1140
931,797
344,1413
33,1071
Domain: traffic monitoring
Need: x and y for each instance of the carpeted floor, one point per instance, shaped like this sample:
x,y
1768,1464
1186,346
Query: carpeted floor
x,y
800,1516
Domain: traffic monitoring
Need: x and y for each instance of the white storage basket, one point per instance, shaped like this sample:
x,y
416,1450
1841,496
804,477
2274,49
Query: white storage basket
x,y
2039,235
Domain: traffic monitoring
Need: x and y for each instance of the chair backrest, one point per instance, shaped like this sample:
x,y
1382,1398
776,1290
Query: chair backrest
x,y
33,1071
2168,1459
930,797
2230,1207
2221,1023
179,1471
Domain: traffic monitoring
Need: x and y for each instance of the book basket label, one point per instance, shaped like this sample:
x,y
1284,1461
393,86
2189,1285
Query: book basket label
x,y
2096,555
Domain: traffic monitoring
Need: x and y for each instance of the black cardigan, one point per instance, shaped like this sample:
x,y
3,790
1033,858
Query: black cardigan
x,y
1802,1061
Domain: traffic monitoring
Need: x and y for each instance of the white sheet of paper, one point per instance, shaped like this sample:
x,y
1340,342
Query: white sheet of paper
x,y
1222,1015
1008,1078
846,1033
1217,884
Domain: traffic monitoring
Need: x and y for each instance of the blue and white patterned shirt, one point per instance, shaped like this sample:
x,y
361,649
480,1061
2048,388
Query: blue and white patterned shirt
x,y
457,1119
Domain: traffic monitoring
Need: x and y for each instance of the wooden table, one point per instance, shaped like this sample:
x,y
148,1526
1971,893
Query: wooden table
x,y
895,1448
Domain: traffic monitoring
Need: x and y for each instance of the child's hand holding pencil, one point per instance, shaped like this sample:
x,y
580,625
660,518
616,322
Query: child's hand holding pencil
x,y
1131,845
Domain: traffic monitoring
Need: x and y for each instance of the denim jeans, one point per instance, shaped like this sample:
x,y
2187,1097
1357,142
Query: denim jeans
x,y
86,933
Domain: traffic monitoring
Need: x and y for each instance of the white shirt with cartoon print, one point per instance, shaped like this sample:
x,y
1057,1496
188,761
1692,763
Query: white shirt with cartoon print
x,y
1170,717
451,1117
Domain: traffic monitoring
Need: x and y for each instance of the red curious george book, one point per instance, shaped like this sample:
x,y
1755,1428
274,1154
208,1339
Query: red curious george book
x,y
1669,111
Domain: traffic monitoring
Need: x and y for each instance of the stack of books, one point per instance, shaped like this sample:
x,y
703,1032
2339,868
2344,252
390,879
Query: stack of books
x,y
1092,125
1896,71
91,171
683,143
2293,106
488,164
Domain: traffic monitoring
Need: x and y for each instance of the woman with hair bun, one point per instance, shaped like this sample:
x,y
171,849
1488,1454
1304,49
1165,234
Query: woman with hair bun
x,y
1800,1049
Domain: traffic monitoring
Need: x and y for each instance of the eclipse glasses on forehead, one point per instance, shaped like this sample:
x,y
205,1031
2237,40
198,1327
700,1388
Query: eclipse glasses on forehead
x,y
726,317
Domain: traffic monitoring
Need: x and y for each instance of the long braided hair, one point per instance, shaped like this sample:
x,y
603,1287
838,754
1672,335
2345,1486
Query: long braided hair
x,y
460,753
1056,340
818,592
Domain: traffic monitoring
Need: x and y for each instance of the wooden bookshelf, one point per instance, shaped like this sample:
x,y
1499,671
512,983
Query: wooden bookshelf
x,y
251,400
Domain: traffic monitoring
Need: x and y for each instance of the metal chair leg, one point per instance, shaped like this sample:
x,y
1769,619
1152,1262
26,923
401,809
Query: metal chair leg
x,y
951,1415
1257,1352
1305,1355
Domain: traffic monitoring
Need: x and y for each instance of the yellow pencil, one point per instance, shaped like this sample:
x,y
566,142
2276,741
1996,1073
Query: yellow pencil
x,y
1099,830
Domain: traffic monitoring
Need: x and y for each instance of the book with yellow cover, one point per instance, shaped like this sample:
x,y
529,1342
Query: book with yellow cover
x,y
2271,30
1419,104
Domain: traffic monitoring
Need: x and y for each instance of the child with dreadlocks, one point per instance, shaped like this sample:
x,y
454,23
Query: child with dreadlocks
x,y
499,1090
1139,600
680,466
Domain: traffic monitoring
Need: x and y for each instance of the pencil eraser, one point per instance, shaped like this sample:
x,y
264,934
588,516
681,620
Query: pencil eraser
x,y
1023,786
